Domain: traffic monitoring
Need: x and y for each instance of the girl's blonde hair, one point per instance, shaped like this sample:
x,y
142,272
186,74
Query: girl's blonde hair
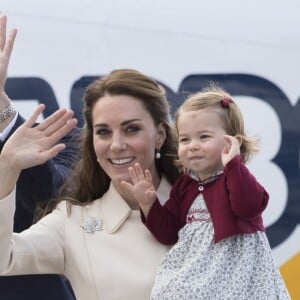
x,y
221,102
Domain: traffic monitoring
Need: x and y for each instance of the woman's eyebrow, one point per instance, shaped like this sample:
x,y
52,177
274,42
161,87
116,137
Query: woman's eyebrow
x,y
101,125
122,124
130,121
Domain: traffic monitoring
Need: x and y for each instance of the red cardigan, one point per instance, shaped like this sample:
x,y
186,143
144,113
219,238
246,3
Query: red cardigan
x,y
235,201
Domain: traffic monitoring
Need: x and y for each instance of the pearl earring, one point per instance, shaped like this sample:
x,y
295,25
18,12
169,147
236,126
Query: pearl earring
x,y
157,155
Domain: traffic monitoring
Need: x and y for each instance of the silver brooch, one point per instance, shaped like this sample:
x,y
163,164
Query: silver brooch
x,y
91,224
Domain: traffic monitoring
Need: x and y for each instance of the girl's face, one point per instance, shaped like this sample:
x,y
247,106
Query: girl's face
x,y
124,133
201,141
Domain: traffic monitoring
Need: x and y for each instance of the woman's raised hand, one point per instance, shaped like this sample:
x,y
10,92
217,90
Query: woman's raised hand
x,y
33,145
6,46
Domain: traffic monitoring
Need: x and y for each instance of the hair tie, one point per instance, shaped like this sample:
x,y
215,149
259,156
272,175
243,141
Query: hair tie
x,y
226,101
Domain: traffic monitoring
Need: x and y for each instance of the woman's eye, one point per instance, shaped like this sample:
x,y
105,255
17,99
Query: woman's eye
x,y
102,132
132,129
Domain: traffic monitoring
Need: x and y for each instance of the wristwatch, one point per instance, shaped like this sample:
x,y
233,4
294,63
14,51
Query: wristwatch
x,y
7,112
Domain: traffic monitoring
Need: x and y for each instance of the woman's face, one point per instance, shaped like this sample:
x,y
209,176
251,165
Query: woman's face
x,y
124,133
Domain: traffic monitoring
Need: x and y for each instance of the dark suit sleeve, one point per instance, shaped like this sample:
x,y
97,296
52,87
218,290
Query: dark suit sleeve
x,y
38,184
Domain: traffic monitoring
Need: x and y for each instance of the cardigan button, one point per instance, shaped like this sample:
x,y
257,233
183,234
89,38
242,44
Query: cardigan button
x,y
201,188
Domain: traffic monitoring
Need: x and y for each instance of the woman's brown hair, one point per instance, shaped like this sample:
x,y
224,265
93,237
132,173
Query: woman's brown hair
x,y
89,181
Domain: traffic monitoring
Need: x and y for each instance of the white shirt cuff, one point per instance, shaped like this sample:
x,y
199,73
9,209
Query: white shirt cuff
x,y
4,134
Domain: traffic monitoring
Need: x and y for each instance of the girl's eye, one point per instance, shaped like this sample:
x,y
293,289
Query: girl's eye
x,y
183,140
204,136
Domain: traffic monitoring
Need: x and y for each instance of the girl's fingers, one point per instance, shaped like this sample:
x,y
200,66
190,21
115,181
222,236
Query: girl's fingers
x,y
132,175
127,185
137,175
228,138
148,176
231,141
139,172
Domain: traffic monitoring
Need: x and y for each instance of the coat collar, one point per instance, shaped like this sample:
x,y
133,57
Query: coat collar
x,y
115,209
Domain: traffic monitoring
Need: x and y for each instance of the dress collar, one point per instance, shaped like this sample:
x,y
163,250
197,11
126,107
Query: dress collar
x,y
116,210
195,176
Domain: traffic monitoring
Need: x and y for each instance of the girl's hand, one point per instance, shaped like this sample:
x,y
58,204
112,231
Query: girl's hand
x,y
142,187
30,146
231,150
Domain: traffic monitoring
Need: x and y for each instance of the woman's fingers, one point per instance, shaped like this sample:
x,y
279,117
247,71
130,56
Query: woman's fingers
x,y
32,119
61,131
6,46
52,129
7,50
3,21
56,125
54,121
59,123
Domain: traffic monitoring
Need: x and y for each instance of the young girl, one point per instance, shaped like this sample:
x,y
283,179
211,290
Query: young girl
x,y
214,210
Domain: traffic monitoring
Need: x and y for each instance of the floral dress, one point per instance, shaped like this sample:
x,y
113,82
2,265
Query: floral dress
x,y
240,267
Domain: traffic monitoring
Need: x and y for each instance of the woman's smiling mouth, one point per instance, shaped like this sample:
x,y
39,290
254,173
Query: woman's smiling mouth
x,y
121,161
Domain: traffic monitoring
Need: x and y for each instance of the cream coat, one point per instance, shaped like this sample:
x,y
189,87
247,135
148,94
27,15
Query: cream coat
x,y
117,262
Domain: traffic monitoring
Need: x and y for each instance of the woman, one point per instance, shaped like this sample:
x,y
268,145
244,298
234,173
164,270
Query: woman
x,y
35,186
94,236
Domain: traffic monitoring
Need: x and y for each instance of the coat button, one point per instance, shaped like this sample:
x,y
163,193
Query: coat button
x,y
200,188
